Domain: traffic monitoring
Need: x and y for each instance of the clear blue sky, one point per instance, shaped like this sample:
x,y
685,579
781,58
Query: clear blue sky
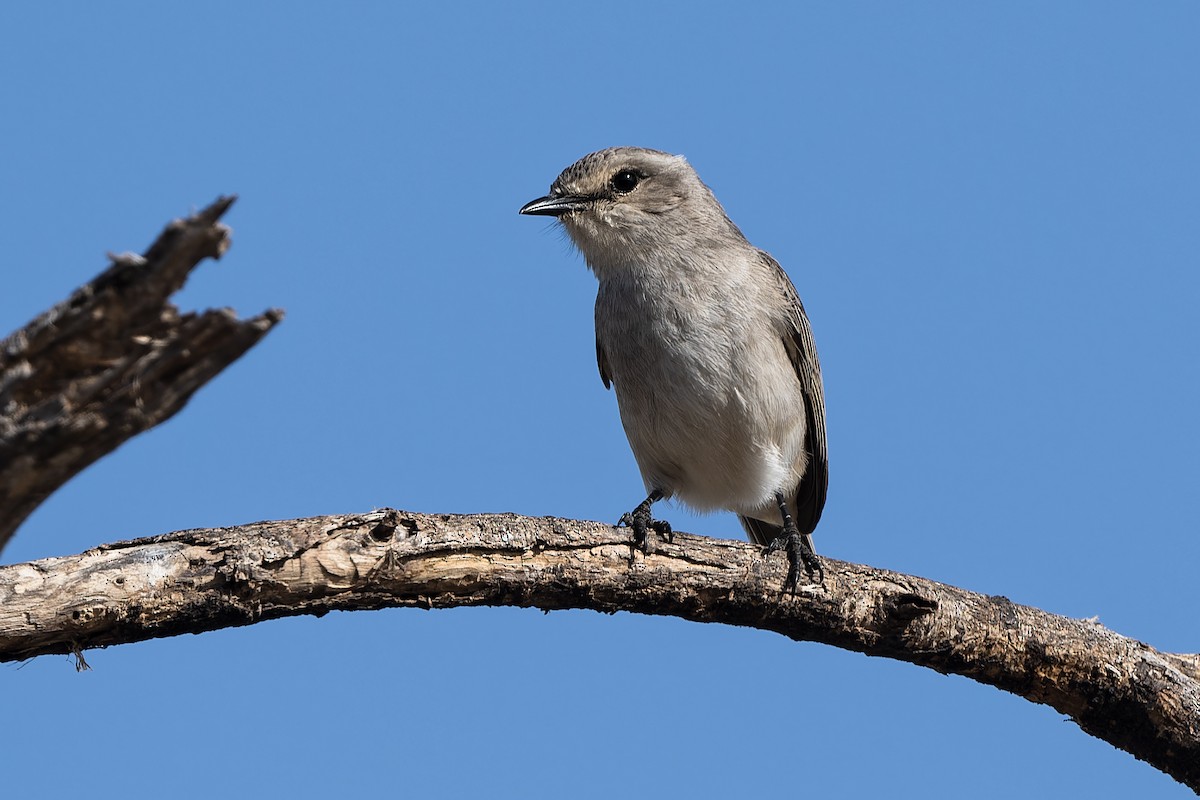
x,y
992,213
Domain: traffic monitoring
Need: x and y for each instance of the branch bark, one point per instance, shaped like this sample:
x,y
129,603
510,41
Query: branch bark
x,y
1115,688
114,359
117,358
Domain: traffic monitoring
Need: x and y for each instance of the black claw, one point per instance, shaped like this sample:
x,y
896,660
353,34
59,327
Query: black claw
x,y
639,523
799,551
642,523
812,562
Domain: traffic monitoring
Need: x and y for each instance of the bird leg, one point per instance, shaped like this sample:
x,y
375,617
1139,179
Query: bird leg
x,y
642,523
798,547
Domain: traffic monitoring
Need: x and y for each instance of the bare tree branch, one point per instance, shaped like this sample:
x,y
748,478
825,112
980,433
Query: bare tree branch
x,y
1117,689
113,360
117,358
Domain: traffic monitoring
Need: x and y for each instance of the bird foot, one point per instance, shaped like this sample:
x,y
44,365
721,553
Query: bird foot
x,y
799,551
642,523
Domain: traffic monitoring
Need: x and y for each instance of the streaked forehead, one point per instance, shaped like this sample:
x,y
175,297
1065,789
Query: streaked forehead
x,y
595,169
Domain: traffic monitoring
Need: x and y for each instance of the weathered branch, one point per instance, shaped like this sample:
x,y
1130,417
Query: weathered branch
x,y
113,360
1117,689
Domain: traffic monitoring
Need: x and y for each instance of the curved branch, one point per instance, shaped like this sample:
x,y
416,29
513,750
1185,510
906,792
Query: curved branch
x,y
114,359
1117,689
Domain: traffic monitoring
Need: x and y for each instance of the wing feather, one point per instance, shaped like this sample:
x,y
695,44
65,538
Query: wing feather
x,y
802,349
602,364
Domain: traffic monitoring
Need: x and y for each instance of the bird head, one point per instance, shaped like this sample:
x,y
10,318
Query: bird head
x,y
624,201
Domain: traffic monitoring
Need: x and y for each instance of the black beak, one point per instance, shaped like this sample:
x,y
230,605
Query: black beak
x,y
553,205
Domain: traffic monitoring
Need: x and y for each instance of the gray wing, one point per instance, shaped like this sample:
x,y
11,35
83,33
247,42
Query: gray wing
x,y
602,364
810,495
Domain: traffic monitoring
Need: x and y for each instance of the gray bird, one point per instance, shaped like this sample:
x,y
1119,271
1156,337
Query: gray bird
x,y
708,346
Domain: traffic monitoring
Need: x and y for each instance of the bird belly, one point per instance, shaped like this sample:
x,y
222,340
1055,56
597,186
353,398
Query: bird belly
x,y
719,426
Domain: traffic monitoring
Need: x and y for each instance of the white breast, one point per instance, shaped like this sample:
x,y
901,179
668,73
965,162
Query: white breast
x,y
708,396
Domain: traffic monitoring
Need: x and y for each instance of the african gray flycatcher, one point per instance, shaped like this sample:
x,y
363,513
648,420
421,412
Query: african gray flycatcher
x,y
708,346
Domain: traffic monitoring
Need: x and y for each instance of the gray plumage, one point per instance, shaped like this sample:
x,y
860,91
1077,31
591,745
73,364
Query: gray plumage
x,y
703,337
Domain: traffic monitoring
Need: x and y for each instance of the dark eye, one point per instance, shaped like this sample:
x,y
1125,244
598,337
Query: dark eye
x,y
625,181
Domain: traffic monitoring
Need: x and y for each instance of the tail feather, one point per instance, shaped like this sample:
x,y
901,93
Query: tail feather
x,y
763,533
